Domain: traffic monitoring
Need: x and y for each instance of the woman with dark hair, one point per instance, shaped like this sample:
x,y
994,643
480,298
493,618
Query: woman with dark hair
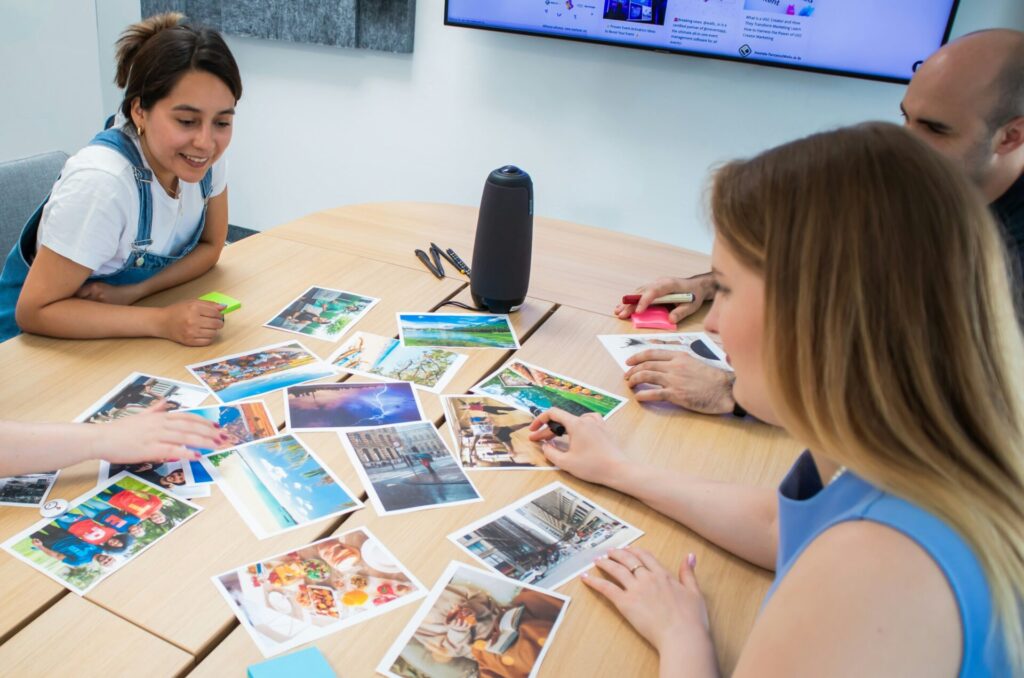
x,y
140,209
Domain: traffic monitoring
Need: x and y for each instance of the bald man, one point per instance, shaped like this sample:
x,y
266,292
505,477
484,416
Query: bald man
x,y
966,101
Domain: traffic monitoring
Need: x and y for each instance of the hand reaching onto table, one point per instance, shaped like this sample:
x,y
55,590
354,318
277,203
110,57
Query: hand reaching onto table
x,y
700,286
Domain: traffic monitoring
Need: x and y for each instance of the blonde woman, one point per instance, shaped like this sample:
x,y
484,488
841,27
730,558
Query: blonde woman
x,y
863,300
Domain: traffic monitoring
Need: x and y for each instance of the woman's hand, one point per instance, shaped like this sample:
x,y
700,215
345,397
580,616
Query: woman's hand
x,y
153,435
592,454
666,609
122,295
193,322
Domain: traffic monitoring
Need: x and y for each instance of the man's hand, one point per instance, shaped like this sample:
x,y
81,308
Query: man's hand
x,y
682,380
700,286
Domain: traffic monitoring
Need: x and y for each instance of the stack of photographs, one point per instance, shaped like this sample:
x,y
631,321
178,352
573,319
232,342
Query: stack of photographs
x,y
546,538
322,313
477,624
241,423
372,355
293,598
278,484
135,394
101,532
407,467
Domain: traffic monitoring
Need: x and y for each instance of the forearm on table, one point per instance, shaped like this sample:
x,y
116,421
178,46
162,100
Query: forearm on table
x,y
739,518
38,447
85,319
191,266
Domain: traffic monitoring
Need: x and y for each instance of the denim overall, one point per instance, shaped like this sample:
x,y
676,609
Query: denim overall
x,y
141,264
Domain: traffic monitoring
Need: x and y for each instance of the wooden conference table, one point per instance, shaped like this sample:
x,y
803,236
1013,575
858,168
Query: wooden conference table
x,y
161,615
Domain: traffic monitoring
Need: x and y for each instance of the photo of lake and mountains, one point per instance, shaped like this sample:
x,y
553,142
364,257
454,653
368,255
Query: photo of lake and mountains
x,y
457,330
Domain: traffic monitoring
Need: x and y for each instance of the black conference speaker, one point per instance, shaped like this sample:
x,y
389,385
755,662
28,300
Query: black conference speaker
x,y
504,241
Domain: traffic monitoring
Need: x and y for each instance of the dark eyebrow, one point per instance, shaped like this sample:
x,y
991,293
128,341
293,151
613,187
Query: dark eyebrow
x,y
193,109
934,124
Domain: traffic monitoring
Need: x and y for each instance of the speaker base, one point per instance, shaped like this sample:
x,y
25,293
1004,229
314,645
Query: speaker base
x,y
497,305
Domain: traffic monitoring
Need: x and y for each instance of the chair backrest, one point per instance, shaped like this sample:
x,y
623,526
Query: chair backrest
x,y
23,185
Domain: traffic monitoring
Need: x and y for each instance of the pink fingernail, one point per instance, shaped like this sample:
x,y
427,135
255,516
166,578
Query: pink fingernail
x,y
691,560
174,460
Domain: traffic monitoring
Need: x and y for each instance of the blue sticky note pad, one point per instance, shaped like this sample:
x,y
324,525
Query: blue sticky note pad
x,y
308,663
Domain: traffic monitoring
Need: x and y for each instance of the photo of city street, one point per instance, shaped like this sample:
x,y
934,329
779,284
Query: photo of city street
x,y
546,538
407,468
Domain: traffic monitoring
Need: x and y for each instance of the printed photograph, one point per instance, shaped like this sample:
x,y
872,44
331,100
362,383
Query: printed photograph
x,y
545,538
491,435
475,623
407,468
169,476
137,392
322,313
27,490
103,530
278,484
372,355
318,407
242,423
457,330
247,375
293,598
697,344
535,389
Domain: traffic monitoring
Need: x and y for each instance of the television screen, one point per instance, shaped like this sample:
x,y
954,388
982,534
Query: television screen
x,y
877,39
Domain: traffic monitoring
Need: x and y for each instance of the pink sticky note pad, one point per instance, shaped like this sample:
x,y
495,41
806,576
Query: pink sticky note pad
x,y
654,318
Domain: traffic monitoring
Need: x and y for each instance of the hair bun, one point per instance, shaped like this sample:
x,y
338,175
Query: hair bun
x,y
135,36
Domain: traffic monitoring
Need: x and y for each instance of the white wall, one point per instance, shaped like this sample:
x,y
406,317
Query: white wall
x,y
49,76
615,138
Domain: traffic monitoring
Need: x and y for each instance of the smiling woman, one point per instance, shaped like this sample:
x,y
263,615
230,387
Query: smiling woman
x,y
140,209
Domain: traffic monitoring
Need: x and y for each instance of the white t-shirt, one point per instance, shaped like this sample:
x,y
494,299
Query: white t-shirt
x,y
92,216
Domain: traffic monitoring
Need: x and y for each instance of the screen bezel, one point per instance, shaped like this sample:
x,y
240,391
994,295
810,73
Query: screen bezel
x,y
705,55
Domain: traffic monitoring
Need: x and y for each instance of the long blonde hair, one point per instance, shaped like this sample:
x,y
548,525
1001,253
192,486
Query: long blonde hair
x,y
891,339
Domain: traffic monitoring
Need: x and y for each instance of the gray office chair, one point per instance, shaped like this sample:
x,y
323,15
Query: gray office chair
x,y
23,185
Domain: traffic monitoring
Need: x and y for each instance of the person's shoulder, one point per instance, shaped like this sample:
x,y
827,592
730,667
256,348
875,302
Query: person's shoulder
x,y
862,599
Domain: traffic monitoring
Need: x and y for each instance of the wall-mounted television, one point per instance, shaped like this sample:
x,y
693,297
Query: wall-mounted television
x,y
874,39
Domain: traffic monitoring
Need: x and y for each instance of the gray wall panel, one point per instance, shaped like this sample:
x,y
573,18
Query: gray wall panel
x,y
386,25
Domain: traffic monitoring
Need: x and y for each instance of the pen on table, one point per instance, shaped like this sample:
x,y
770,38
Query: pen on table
x,y
422,256
453,258
435,253
679,298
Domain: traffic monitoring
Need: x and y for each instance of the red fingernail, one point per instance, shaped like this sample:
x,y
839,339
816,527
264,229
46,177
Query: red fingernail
x,y
174,460
216,425
691,560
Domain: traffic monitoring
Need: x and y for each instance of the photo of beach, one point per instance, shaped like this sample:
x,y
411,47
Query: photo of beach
x,y
278,484
457,330
253,373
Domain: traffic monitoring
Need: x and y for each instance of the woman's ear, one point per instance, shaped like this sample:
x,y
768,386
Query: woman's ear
x,y
138,114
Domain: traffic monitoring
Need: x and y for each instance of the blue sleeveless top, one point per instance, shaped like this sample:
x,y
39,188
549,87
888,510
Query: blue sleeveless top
x,y
806,509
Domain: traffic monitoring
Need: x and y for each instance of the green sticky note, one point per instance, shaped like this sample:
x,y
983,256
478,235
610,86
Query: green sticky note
x,y
231,303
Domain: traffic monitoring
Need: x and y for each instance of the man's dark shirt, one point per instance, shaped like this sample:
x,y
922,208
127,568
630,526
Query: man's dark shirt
x,y
1009,210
